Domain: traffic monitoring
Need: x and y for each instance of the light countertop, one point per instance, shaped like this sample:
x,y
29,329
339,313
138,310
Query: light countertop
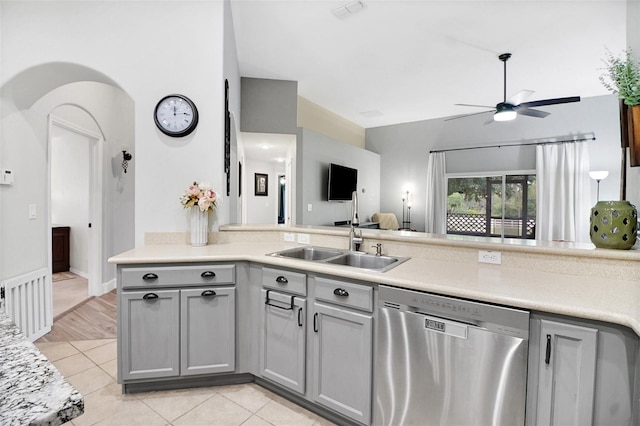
x,y
590,297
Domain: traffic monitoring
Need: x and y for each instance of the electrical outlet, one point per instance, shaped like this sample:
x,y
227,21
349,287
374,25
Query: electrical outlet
x,y
309,207
290,237
494,257
304,239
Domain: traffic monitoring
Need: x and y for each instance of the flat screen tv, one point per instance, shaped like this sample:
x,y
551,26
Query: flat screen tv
x,y
342,182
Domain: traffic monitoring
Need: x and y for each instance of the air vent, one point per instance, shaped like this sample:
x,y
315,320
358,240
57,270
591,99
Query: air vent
x,y
348,9
371,114
391,305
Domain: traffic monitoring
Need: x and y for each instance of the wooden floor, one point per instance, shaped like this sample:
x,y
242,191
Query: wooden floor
x,y
93,319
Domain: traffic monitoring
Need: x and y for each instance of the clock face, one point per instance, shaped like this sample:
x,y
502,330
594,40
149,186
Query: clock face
x,y
176,115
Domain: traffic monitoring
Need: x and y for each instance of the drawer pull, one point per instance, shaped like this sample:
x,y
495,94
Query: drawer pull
x,y
547,357
208,274
150,296
341,292
208,293
282,280
268,302
150,276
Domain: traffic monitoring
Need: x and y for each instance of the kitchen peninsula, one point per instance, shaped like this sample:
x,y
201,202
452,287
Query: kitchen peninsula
x,y
566,283
32,390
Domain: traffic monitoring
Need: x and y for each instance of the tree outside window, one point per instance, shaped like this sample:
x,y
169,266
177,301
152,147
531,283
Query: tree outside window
x,y
483,206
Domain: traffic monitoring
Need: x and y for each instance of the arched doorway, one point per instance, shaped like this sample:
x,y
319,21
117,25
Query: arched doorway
x,y
85,99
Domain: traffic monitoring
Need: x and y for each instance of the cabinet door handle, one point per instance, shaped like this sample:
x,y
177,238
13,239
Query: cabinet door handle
x,y
208,293
341,292
282,280
150,276
547,357
315,322
300,317
208,274
150,296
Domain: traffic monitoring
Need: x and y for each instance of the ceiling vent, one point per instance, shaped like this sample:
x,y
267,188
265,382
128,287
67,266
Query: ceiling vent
x,y
372,114
348,9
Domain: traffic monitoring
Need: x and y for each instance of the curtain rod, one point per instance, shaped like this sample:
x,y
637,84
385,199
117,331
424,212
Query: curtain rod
x,y
514,144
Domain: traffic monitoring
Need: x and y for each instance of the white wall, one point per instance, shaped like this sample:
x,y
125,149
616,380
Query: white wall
x,y
404,148
314,153
261,209
119,40
70,160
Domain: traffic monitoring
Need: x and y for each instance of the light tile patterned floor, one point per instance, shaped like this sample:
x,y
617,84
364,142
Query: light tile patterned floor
x,y
90,366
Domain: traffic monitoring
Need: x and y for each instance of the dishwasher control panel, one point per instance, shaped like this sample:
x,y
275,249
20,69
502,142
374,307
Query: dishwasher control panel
x,y
504,320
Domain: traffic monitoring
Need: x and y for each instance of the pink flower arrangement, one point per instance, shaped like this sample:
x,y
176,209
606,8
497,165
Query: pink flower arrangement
x,y
201,195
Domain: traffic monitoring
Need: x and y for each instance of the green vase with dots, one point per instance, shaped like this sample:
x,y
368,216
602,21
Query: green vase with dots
x,y
613,225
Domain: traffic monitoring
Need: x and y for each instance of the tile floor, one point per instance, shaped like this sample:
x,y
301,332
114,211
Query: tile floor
x,y
90,366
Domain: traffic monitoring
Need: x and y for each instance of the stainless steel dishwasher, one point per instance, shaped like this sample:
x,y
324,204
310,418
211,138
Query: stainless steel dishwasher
x,y
445,361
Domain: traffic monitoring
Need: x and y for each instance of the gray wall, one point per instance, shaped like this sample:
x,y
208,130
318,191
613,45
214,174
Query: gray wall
x,y
314,153
269,106
404,148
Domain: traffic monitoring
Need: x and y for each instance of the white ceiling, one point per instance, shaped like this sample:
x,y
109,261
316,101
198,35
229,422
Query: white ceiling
x,y
413,60
268,147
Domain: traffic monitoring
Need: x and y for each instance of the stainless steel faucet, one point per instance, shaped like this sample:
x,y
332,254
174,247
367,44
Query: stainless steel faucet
x,y
354,240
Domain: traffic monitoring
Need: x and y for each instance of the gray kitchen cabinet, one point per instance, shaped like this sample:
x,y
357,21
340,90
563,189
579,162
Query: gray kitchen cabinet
x,y
342,361
564,361
283,346
343,347
175,321
589,377
149,334
207,330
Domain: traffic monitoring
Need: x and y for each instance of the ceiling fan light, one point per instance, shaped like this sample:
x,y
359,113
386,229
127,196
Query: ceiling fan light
x,y
505,115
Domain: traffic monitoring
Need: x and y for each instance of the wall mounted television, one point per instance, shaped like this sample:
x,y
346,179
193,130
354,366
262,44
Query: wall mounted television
x,y
342,182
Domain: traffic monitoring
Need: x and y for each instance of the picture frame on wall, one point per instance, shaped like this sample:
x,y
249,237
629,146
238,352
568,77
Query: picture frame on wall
x,y
261,185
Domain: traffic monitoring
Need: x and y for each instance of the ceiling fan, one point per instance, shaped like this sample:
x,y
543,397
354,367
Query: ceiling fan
x,y
509,109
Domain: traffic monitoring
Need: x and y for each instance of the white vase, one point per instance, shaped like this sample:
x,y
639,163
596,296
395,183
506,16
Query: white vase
x,y
199,227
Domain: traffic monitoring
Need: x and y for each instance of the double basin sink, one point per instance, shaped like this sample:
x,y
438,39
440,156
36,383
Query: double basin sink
x,y
331,256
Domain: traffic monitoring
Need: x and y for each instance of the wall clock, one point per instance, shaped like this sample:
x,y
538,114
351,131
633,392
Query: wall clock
x,y
176,116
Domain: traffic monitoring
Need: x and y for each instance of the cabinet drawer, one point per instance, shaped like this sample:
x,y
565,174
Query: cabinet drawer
x,y
292,282
161,276
346,294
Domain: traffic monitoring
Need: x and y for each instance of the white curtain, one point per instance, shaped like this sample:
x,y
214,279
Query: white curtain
x,y
436,209
563,192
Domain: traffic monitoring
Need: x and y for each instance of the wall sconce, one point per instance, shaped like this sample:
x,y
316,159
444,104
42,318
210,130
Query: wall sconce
x,y
598,176
126,157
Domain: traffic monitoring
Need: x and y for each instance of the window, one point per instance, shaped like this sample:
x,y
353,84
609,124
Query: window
x,y
492,206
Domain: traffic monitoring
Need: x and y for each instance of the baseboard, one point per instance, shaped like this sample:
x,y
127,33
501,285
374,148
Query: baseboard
x,y
79,273
108,286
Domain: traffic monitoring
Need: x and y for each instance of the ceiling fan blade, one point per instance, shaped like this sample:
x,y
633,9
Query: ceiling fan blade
x,y
477,106
519,97
455,117
532,112
555,101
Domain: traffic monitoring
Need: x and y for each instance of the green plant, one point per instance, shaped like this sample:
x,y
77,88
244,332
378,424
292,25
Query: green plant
x,y
622,76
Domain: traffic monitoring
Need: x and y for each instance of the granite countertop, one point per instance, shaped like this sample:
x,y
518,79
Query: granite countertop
x,y
589,297
32,390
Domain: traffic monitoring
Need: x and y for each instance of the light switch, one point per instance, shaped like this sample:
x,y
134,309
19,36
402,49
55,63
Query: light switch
x,y
33,213
6,177
309,207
